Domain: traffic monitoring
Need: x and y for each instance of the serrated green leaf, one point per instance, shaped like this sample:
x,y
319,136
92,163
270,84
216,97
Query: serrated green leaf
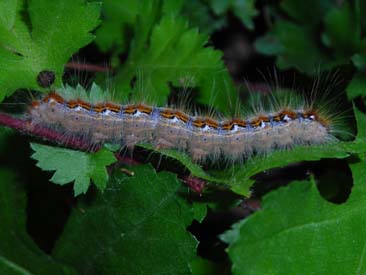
x,y
194,168
18,253
137,226
56,29
165,52
297,229
175,55
97,95
119,18
241,179
75,166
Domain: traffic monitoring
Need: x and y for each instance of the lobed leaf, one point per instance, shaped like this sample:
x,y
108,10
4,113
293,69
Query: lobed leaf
x,y
76,166
297,221
137,226
176,55
55,30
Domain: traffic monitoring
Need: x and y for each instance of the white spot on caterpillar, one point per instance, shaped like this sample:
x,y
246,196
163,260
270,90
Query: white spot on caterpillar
x,y
106,112
137,114
235,128
206,128
174,120
286,118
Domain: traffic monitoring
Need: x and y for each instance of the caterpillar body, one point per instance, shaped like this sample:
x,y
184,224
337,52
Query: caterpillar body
x,y
202,137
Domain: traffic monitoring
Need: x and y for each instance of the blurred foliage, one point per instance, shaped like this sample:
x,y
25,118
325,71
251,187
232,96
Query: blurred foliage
x,y
316,34
138,224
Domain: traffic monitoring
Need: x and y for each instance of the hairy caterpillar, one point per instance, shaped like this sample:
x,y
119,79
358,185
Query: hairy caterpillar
x,y
202,137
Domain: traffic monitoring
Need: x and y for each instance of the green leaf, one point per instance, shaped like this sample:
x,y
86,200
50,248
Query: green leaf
x,y
342,32
243,9
199,14
75,166
357,86
300,48
175,55
300,10
241,179
194,168
55,30
137,226
18,253
118,17
296,230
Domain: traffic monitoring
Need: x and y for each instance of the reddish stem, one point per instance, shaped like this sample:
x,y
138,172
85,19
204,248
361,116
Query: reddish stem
x,y
87,67
12,122
196,184
46,133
